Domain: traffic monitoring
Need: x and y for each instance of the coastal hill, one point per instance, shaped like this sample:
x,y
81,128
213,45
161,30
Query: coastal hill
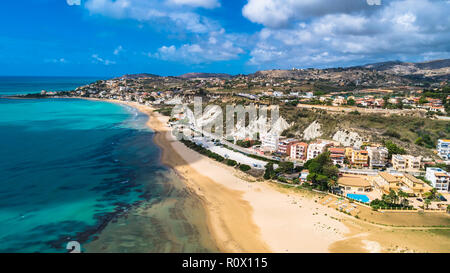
x,y
435,68
137,76
393,71
390,71
186,76
205,75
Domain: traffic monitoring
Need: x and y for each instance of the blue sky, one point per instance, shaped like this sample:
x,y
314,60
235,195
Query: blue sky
x,y
172,37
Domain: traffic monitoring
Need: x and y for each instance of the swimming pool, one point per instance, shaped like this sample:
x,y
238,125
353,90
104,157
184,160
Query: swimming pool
x,y
359,197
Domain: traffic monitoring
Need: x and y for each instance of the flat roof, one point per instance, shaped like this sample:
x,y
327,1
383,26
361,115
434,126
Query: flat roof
x,y
353,181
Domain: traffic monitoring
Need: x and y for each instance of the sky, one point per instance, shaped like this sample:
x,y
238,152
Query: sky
x,y
172,37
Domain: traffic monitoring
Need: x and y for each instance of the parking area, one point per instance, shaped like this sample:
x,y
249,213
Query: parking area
x,y
229,154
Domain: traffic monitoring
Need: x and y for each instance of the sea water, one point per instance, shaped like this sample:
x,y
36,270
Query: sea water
x,y
72,170
14,85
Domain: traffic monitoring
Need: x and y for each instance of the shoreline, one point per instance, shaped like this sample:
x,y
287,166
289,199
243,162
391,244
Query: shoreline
x,y
243,216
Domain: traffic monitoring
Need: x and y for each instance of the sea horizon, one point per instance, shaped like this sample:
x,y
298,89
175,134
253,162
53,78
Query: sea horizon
x,y
21,85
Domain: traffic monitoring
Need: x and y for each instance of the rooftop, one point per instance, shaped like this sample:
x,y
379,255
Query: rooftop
x,y
388,177
353,181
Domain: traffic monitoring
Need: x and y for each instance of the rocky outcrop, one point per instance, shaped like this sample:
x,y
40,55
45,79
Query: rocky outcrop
x,y
313,131
347,138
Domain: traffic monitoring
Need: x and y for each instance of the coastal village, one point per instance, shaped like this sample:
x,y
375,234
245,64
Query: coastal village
x,y
367,170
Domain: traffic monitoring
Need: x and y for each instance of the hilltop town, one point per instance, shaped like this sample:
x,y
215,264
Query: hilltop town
x,y
376,131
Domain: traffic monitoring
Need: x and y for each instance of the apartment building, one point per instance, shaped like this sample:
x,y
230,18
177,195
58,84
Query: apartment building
x,y
358,158
284,146
315,149
406,163
299,151
439,179
337,155
387,182
269,142
378,157
443,148
418,186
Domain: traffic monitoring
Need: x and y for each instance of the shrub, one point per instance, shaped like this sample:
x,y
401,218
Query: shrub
x,y
244,167
231,162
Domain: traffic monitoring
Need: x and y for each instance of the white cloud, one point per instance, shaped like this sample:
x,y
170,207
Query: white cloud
x,y
118,50
219,46
98,59
397,29
170,16
279,13
73,2
60,61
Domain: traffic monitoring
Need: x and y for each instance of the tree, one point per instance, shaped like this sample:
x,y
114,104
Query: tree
x,y
244,167
403,197
322,173
427,203
393,196
351,102
423,100
286,167
268,174
393,148
386,101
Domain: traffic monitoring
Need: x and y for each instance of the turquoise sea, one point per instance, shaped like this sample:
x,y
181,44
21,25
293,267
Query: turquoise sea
x,y
88,171
13,85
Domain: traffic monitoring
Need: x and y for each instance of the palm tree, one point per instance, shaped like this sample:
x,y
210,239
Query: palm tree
x,y
403,195
393,196
331,183
427,203
433,193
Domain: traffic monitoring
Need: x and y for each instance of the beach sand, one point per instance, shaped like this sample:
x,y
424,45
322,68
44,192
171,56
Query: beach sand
x,y
248,216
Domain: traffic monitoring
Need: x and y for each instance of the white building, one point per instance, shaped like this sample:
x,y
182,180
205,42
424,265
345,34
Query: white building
x,y
269,142
406,163
304,175
315,149
443,148
299,151
378,156
439,179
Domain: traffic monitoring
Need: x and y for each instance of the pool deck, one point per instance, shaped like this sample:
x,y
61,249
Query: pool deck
x,y
341,204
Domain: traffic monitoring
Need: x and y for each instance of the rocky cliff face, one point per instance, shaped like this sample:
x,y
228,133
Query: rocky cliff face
x,y
313,131
347,138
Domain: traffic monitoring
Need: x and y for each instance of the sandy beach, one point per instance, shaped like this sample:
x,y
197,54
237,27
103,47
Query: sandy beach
x,y
247,216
